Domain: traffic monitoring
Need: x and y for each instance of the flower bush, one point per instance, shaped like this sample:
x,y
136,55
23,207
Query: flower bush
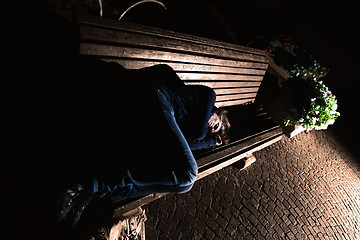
x,y
312,105
315,71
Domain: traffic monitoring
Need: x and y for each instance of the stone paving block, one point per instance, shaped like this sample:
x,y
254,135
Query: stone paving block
x,y
209,234
220,232
201,227
175,234
234,222
262,229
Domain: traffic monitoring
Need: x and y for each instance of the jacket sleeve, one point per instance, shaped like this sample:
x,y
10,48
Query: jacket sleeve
x,y
200,111
197,144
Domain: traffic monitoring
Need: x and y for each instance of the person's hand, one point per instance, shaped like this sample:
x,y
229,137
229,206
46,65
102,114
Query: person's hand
x,y
214,123
218,140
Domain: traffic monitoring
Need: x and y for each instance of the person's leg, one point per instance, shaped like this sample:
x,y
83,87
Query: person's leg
x,y
172,166
167,165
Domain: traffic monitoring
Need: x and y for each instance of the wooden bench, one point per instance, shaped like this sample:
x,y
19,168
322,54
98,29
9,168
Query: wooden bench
x,y
234,72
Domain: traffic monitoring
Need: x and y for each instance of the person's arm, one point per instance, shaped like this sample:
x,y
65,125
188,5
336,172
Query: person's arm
x,y
200,110
195,101
209,141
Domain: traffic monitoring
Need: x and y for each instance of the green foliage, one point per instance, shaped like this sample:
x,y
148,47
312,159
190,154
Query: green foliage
x,y
315,71
312,104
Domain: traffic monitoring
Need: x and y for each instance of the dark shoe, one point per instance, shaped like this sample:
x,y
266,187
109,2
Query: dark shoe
x,y
67,201
80,206
73,204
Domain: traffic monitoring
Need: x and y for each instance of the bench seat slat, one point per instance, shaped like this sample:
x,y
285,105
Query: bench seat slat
x,y
237,147
256,144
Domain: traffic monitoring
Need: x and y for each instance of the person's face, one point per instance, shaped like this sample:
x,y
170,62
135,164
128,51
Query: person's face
x,y
214,123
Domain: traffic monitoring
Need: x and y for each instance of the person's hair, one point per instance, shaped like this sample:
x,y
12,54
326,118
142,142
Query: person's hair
x,y
224,131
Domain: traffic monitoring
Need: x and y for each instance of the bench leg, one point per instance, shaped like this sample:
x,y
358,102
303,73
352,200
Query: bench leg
x,y
130,224
245,162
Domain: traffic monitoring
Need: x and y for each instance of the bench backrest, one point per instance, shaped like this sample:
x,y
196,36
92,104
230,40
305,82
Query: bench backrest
x,y
234,72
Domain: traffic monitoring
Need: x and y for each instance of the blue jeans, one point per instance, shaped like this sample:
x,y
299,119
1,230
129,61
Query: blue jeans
x,y
167,165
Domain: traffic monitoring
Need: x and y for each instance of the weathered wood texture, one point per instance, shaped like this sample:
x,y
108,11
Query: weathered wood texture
x,y
234,72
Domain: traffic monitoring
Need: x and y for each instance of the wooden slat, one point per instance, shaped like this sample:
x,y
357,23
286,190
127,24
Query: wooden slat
x,y
226,161
181,67
234,102
238,147
141,40
228,84
222,91
218,77
233,97
127,52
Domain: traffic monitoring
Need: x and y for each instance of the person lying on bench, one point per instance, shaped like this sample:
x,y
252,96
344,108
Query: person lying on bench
x,y
170,120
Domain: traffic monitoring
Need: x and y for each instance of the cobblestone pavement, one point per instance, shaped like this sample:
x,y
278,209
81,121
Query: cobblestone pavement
x,y
307,187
